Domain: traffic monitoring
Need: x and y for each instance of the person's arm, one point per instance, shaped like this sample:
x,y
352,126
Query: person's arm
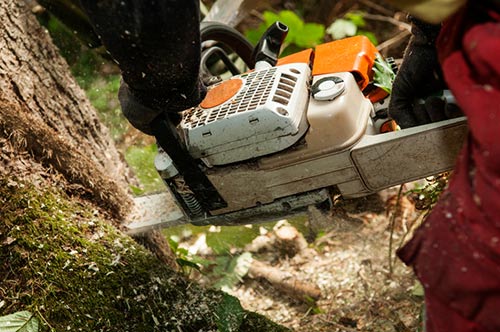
x,y
157,47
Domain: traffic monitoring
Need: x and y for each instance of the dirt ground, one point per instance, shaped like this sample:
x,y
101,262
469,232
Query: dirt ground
x,y
349,262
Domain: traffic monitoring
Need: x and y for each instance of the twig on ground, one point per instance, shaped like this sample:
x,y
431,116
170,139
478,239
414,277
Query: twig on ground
x,y
392,225
300,290
377,7
388,19
394,40
44,320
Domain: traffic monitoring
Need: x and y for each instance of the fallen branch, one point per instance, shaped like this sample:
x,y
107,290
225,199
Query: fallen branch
x,y
394,40
388,19
284,282
377,7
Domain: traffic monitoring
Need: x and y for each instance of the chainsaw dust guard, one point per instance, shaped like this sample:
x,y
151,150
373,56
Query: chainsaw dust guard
x,y
290,134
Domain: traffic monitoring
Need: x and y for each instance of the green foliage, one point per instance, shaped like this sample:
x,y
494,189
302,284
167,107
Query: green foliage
x,y
301,35
230,314
417,289
21,321
383,74
186,261
342,28
426,196
230,270
230,236
141,160
69,46
102,91
350,25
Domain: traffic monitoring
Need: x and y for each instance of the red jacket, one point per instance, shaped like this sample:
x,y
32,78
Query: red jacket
x,y
456,253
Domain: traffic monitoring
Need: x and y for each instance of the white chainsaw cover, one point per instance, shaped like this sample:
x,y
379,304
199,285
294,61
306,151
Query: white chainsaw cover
x,y
266,115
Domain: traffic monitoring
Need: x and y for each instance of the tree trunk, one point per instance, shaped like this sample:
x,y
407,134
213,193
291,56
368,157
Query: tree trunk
x,y
43,111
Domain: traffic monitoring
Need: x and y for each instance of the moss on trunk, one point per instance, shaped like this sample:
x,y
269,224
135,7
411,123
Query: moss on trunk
x,y
59,260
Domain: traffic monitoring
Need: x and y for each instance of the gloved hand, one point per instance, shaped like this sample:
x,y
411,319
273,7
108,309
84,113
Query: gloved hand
x,y
142,110
139,115
420,76
434,109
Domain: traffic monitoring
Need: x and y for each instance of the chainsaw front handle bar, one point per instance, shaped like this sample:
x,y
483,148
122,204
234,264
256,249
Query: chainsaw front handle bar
x,y
230,37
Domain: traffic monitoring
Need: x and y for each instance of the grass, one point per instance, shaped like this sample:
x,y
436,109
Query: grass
x,y
141,160
102,92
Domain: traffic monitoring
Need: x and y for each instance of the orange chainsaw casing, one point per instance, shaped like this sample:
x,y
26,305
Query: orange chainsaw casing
x,y
305,56
221,93
355,54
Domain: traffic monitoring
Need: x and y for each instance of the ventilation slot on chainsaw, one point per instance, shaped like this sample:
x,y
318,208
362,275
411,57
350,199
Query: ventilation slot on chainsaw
x,y
253,94
250,115
285,88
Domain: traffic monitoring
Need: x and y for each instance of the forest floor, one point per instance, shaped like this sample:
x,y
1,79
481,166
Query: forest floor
x,y
348,260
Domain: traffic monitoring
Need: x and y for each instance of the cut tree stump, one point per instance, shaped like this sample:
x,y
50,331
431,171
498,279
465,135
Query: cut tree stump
x,y
289,241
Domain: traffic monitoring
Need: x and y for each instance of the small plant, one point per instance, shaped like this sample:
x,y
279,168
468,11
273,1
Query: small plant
x,y
230,270
350,25
383,74
21,321
426,197
186,261
300,36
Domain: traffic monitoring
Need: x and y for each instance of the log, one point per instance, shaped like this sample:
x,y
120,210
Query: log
x,y
285,282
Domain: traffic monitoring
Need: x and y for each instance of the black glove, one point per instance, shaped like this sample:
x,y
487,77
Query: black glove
x,y
139,115
419,77
141,109
433,109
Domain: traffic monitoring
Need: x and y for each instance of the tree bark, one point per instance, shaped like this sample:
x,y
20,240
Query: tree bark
x,y
45,112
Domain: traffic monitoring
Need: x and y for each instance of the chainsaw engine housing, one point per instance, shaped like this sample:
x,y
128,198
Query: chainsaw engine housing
x,y
249,116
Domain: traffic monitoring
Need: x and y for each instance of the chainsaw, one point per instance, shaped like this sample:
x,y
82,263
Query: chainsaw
x,y
290,133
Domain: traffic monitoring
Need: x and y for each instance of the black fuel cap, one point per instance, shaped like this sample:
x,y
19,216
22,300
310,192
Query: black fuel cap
x,y
328,88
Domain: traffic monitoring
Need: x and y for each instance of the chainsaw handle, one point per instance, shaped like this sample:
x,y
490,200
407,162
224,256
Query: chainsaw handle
x,y
230,38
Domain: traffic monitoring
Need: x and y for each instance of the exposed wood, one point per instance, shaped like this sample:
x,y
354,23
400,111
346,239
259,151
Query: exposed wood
x,y
289,241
